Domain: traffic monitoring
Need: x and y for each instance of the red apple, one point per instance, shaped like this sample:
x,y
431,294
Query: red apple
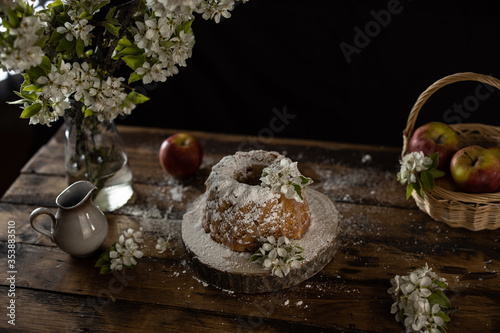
x,y
475,170
181,155
436,137
495,150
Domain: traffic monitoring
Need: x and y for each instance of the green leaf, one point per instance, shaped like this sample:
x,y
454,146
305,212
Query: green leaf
x,y
105,270
19,101
125,42
34,73
46,64
80,45
55,37
298,189
65,45
255,257
102,262
13,18
435,161
134,77
130,50
440,284
444,316
137,98
112,29
111,13
419,188
28,97
427,179
88,113
305,180
436,173
409,190
32,87
184,27
31,110
134,62
56,6
438,297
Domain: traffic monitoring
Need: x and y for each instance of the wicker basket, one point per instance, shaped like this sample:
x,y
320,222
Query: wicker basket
x,y
457,209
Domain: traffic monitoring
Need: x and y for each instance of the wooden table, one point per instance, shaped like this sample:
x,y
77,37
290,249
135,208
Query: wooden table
x,y
381,235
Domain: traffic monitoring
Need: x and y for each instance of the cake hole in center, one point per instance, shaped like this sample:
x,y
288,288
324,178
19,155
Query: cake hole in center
x,y
251,176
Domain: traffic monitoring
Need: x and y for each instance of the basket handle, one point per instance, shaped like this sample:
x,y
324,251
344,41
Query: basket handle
x,y
424,96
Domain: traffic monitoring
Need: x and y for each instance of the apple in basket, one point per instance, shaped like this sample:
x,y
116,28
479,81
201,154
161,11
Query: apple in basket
x,y
437,137
495,150
475,170
181,155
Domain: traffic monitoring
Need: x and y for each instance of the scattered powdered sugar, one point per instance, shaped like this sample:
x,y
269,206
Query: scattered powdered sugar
x,y
366,158
177,193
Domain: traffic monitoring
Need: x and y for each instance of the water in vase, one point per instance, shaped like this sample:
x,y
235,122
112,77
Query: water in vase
x,y
115,186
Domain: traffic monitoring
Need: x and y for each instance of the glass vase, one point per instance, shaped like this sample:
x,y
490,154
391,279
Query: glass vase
x,y
94,152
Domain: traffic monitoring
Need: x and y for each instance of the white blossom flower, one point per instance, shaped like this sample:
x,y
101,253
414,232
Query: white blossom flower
x,y
135,235
125,252
411,164
23,53
284,177
116,261
279,256
146,71
182,48
172,6
412,305
161,245
79,29
215,9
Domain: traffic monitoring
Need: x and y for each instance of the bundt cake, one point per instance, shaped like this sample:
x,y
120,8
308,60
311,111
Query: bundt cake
x,y
256,194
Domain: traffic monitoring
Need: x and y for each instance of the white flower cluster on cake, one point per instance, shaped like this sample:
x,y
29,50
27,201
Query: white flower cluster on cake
x,y
278,255
419,300
285,178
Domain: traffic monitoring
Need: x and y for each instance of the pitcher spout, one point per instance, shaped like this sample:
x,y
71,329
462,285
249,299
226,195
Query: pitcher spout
x,y
76,194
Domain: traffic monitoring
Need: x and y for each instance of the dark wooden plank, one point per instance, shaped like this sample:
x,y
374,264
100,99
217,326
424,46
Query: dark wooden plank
x,y
38,311
376,244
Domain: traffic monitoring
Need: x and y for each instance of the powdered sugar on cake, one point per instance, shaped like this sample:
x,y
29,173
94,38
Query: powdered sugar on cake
x,y
239,211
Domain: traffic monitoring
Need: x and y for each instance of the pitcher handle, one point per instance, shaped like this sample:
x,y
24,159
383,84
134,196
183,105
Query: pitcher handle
x,y
37,226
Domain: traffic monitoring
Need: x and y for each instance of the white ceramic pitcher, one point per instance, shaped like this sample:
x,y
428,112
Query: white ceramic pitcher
x,y
78,227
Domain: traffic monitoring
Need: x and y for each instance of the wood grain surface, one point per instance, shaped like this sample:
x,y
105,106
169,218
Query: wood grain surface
x,y
381,234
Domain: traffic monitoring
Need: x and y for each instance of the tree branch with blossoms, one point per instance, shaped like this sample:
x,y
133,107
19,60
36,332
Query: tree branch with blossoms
x,y
72,49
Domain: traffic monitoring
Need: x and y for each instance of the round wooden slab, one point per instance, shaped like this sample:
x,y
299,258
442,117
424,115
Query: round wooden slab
x,y
230,270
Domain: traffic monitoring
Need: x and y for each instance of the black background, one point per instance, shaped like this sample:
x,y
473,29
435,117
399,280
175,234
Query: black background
x,y
287,55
